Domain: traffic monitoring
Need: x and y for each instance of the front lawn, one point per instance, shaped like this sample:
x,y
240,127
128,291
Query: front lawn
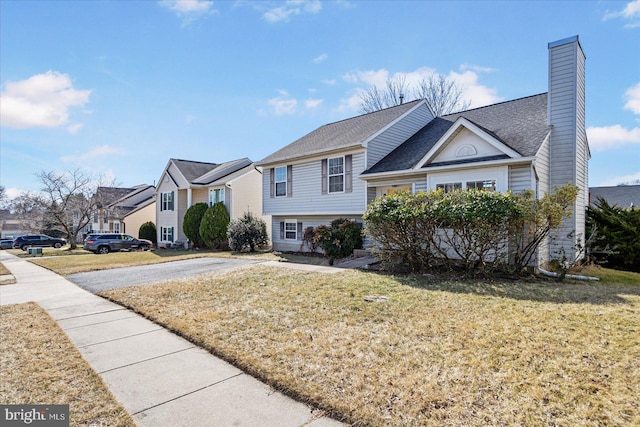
x,y
374,349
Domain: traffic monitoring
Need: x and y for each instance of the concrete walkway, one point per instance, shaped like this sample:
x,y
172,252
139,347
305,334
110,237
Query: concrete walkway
x,y
160,378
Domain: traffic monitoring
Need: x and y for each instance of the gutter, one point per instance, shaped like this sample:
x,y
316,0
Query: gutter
x,y
568,276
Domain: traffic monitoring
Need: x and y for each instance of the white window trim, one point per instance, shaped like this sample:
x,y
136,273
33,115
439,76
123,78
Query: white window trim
x,y
164,233
343,174
168,195
499,174
275,181
295,229
221,193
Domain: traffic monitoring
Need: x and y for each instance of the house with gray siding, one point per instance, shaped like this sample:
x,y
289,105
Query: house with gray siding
x,y
183,183
531,143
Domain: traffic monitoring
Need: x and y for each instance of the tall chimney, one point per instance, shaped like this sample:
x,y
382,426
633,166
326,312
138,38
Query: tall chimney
x,y
568,147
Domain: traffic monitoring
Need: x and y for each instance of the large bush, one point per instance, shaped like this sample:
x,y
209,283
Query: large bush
x,y
247,232
148,231
214,226
339,239
616,236
191,224
477,230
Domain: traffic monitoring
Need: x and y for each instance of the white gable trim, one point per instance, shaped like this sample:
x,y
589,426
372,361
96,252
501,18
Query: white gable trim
x,y
460,123
459,166
393,123
180,172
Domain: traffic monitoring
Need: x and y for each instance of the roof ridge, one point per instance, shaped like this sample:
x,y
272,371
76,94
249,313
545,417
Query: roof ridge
x,y
194,161
493,105
372,112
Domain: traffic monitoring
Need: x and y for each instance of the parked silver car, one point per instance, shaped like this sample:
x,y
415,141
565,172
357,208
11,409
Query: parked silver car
x,y
105,243
6,243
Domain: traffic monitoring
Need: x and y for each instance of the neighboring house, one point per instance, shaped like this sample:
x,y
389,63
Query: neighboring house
x,y
143,212
535,143
11,226
184,183
113,206
623,196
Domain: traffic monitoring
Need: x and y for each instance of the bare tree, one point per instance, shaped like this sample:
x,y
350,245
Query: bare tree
x,y
29,209
70,200
374,99
442,93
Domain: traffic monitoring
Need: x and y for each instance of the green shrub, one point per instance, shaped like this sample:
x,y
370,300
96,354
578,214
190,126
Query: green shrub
x,y
191,224
477,230
148,231
247,232
616,236
339,239
214,226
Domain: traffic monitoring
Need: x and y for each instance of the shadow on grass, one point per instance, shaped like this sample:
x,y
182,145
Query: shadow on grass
x,y
567,292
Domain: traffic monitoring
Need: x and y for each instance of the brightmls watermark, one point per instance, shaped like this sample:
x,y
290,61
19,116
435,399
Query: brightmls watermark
x,y
34,415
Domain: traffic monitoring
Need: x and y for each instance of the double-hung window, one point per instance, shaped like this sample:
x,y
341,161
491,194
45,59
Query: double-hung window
x,y
336,175
216,196
291,230
166,234
166,200
281,181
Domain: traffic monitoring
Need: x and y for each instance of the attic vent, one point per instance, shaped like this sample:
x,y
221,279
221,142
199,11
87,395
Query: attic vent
x,y
466,150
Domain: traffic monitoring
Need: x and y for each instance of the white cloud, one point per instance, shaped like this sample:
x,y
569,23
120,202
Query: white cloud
x,y
189,10
74,128
13,193
283,104
477,68
101,151
633,99
291,8
43,100
329,82
617,180
478,95
312,103
608,137
467,80
630,13
320,58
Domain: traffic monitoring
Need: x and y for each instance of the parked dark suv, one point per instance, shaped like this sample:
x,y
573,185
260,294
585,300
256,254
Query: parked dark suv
x,y
105,243
23,242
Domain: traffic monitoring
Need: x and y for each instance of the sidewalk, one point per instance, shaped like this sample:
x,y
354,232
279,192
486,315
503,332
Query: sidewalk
x,y
160,378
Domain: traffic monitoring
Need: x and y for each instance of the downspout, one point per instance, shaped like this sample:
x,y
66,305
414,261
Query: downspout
x,y
568,276
227,185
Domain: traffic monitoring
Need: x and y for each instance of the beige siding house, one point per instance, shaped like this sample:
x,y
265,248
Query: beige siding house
x,y
237,183
145,212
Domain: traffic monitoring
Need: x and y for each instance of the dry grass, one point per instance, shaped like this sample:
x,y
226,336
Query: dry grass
x,y
434,353
41,366
65,265
8,279
4,270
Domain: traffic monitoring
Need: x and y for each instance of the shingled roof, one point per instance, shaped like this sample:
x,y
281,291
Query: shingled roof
x,y
520,124
340,135
203,173
623,196
191,169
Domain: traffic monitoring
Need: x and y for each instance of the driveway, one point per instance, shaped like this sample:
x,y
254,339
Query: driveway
x,y
95,281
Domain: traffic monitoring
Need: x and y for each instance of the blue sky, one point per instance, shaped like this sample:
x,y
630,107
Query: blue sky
x,y
119,87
